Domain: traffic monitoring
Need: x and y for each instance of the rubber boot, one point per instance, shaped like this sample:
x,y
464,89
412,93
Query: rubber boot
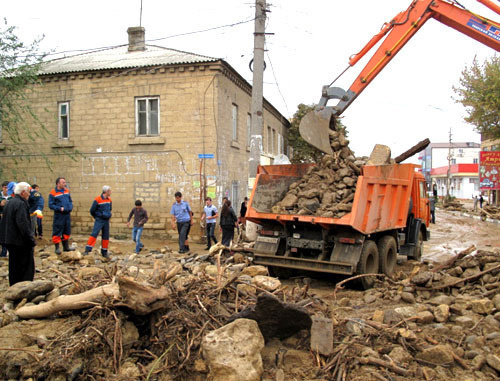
x,y
104,253
88,249
66,245
58,250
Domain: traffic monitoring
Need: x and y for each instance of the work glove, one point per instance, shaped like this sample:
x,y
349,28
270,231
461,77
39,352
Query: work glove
x,y
39,213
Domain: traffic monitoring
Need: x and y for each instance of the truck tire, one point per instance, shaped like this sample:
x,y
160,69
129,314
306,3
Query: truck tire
x,y
368,263
419,247
388,254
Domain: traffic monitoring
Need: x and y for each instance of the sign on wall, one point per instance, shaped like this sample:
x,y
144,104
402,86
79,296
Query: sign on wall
x,y
489,168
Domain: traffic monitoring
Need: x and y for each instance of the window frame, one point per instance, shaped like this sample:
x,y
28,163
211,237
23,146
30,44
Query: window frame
x,y
249,128
234,121
235,193
59,119
148,117
269,141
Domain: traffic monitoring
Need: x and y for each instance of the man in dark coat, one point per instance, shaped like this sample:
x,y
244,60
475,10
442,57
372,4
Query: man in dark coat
x,y
16,233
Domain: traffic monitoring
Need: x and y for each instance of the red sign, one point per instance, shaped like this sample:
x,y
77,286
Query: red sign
x,y
489,170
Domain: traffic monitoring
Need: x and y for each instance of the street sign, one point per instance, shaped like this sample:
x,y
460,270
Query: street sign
x,y
205,156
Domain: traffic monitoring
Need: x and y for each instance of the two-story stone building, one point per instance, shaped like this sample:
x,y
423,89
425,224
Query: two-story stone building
x,y
148,121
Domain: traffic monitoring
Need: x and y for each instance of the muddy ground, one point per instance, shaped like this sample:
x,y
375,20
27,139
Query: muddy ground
x,y
398,323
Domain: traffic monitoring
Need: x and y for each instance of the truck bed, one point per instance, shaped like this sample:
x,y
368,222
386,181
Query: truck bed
x,y
381,199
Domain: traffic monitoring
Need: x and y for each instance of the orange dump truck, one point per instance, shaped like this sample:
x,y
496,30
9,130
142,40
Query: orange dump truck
x,y
390,214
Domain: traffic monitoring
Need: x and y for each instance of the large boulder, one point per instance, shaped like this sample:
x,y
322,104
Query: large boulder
x,y
28,290
233,351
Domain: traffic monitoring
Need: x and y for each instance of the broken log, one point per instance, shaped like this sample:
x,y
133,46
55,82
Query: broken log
x,y
70,302
142,299
412,151
449,263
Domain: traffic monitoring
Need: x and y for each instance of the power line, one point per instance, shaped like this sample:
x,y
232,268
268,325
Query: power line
x,y
150,40
276,80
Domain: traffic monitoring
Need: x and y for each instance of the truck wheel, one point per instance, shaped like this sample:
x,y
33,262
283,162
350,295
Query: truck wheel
x,y
419,247
368,263
388,254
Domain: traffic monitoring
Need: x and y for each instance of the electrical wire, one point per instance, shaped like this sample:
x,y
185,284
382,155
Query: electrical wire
x,y
275,79
148,40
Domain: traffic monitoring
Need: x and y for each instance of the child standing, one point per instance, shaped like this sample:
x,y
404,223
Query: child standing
x,y
140,218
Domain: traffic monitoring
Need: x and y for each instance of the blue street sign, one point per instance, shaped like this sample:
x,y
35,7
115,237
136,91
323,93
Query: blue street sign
x,y
205,156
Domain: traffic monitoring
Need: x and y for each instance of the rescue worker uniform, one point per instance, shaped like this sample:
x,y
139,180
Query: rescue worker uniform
x,y
61,226
36,203
101,211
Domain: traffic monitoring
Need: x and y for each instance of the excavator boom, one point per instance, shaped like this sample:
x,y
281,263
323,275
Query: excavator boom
x,y
314,127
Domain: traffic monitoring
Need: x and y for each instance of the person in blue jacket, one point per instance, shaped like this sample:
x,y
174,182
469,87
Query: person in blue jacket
x,y
36,203
61,203
101,211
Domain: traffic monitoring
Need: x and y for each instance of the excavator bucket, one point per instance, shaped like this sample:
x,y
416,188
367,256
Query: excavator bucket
x,y
314,129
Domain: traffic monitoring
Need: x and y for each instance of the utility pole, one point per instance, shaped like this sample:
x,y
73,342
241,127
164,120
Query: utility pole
x,y
448,173
257,89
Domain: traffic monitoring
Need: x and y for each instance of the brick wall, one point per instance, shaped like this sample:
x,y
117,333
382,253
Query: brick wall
x,y
195,118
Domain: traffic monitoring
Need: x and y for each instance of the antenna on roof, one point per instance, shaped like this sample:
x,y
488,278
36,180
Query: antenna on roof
x,y
140,17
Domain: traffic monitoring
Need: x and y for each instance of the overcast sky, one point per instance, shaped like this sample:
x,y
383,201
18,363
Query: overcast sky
x,y
311,43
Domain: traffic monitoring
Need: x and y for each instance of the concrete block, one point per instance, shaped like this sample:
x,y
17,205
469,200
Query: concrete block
x,y
322,335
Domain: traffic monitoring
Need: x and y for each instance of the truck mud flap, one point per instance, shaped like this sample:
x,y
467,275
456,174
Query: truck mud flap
x,y
304,264
267,245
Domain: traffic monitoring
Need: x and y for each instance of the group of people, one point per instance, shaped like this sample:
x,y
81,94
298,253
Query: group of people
x,y
182,219
478,199
21,207
21,213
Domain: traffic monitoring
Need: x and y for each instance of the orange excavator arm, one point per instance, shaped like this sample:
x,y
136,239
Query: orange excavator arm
x,y
314,126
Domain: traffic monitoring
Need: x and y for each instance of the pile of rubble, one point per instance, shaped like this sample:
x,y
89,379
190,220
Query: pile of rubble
x,y
445,324
453,205
490,211
327,189
159,316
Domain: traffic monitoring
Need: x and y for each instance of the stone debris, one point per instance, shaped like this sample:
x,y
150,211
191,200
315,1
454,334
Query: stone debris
x,y
428,322
232,352
327,189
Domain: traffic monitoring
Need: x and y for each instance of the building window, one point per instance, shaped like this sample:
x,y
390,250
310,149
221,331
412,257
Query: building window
x,y
274,142
475,160
147,116
269,140
234,194
453,161
235,121
280,144
63,120
249,128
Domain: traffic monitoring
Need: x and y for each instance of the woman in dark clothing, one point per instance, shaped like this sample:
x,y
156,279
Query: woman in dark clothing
x,y
228,221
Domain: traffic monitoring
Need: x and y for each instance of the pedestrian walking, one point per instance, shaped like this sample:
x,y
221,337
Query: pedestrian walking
x,y
140,218
101,211
36,203
210,215
243,211
61,203
433,210
481,200
228,221
475,200
16,234
182,219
